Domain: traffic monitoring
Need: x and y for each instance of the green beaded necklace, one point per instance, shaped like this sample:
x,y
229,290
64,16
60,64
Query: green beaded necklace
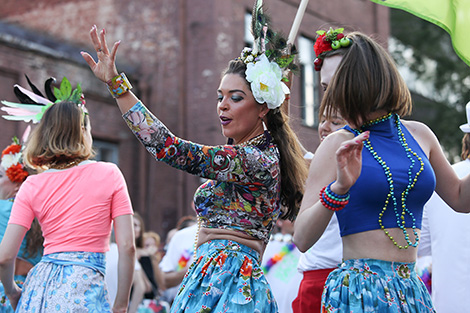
x,y
412,156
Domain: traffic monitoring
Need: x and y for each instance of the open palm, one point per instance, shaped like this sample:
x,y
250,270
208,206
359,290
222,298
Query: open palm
x,y
105,68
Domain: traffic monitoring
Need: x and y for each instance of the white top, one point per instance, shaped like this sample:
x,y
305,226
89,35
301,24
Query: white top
x,y
327,252
444,235
111,277
181,244
283,277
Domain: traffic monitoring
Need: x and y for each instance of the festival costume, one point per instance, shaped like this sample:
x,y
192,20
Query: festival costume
x,y
75,208
367,285
242,194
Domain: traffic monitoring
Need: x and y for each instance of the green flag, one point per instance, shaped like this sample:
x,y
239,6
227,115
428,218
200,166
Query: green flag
x,y
452,15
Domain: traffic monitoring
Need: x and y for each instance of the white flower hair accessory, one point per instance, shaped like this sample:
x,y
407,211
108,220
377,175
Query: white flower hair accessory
x,y
265,78
268,61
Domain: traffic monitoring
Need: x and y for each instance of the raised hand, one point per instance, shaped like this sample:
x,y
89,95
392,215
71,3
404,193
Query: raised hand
x,y
105,68
349,163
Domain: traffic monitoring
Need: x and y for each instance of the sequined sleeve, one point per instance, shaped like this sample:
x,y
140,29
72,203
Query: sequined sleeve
x,y
231,163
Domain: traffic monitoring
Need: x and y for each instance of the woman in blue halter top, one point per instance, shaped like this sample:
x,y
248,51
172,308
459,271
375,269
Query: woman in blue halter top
x,y
376,175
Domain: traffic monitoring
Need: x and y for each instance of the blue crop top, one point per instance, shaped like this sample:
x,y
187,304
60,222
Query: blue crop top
x,y
368,195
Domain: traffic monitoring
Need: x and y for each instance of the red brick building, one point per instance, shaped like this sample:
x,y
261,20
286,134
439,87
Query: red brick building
x,y
173,51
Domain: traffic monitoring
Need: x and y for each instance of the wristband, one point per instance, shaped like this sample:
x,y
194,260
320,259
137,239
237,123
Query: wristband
x,y
119,85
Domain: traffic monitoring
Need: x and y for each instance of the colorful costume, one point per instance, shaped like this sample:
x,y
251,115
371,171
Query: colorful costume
x,y
367,285
242,194
75,208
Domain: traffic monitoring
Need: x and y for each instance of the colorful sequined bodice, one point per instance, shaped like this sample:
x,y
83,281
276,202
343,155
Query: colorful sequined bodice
x,y
366,209
243,188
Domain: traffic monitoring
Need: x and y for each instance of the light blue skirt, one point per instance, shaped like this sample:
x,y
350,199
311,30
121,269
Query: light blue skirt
x,y
225,277
66,282
369,285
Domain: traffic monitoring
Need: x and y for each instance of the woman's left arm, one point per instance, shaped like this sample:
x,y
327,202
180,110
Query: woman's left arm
x,y
453,190
8,251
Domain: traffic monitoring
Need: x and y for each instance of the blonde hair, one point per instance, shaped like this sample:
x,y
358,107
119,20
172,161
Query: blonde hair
x,y
58,139
154,235
366,81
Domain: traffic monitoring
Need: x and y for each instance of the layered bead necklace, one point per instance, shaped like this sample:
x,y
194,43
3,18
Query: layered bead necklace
x,y
412,179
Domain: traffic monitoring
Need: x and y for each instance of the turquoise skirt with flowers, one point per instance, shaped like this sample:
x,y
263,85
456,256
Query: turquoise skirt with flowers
x,y
225,277
66,282
369,285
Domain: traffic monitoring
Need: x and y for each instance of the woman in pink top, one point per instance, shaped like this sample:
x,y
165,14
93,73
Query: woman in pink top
x,y
76,201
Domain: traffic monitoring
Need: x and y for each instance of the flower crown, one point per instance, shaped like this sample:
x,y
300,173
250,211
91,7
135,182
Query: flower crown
x,y
333,39
267,60
33,104
12,162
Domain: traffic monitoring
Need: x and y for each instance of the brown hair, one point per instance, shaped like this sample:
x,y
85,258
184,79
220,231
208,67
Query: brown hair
x,y
293,167
465,147
34,240
58,139
366,81
139,240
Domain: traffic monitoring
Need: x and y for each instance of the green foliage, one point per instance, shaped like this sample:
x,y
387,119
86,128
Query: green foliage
x,y
450,76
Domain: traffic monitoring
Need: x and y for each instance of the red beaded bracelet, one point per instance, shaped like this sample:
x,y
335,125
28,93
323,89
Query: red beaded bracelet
x,y
333,201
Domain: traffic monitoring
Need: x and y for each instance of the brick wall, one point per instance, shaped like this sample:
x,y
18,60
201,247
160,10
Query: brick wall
x,y
174,51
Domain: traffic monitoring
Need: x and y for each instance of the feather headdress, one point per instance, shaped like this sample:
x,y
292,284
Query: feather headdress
x,y
267,60
269,42
33,104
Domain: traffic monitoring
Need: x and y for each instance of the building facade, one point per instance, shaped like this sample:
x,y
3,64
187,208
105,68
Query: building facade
x,y
173,51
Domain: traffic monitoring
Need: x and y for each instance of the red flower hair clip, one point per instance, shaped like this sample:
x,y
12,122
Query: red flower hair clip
x,y
12,162
333,39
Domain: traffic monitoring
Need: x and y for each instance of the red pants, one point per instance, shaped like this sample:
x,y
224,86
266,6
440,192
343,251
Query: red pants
x,y
310,290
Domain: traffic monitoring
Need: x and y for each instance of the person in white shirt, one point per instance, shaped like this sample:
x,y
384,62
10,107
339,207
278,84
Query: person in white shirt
x,y
444,237
178,257
279,266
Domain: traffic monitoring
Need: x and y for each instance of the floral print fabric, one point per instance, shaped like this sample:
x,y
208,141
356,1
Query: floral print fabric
x,y
65,287
243,188
225,277
369,285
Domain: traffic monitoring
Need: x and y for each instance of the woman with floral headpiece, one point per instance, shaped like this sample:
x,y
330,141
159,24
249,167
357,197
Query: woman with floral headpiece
x,y
76,201
383,172
250,179
12,174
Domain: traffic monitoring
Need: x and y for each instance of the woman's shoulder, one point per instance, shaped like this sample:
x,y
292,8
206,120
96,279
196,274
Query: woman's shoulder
x,y
422,134
335,139
419,130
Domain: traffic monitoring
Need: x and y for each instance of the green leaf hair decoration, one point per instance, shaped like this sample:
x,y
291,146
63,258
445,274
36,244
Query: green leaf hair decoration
x,y
33,104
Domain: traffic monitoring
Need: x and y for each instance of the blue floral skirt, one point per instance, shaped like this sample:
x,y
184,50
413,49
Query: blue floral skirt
x,y
368,285
66,282
225,277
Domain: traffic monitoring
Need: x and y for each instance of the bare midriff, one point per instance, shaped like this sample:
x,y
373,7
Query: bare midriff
x,y
206,234
374,244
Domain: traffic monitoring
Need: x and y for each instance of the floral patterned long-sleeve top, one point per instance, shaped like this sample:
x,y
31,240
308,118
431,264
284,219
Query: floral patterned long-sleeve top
x,y
243,188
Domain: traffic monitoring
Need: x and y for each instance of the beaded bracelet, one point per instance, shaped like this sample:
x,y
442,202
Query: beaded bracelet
x,y
333,201
119,85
